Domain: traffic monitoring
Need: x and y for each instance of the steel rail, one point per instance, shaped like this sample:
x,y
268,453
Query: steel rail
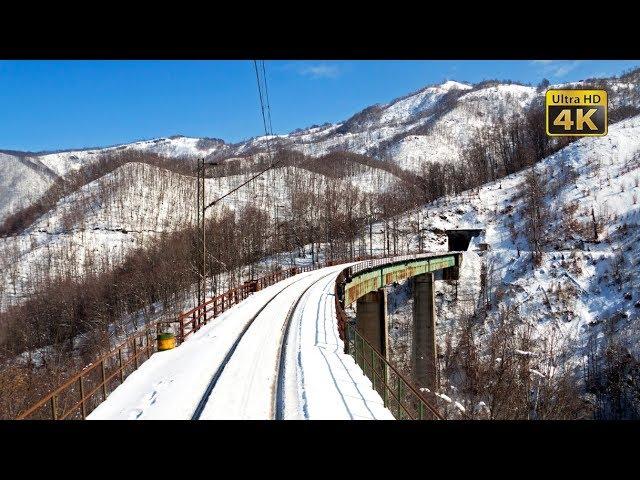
x,y
277,408
216,376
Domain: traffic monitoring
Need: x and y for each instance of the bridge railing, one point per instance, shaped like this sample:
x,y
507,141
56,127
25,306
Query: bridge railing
x,y
399,395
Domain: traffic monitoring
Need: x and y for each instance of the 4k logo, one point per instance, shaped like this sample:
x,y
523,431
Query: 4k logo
x,y
576,113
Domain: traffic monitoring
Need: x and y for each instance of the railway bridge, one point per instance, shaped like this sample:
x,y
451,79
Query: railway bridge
x,y
287,346
366,288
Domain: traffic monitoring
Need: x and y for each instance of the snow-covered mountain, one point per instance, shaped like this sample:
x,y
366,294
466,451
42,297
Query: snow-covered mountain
x,y
22,181
113,214
432,124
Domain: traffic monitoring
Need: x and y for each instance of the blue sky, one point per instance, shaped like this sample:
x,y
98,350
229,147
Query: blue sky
x,y
47,105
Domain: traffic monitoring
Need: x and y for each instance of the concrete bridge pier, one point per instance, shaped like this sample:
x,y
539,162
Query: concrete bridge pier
x,y
423,354
371,319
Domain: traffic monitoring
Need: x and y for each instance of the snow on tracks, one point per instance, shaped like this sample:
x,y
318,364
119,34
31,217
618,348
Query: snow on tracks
x,y
170,384
230,368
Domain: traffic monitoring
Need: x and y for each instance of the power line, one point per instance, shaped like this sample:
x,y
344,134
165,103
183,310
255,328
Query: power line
x,y
264,106
268,131
262,102
266,93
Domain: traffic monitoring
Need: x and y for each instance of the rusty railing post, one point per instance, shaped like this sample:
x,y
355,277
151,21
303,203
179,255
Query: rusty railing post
x,y
399,398
135,353
120,368
82,405
347,350
104,380
386,385
54,414
373,371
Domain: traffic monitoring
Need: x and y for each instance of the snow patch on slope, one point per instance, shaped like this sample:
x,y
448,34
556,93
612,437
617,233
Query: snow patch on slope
x,y
22,181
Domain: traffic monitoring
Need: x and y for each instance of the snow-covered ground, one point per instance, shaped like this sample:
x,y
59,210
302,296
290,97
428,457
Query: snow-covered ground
x,y
320,380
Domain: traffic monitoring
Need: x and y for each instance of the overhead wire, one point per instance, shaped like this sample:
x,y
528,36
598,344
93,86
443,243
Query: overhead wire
x,y
265,109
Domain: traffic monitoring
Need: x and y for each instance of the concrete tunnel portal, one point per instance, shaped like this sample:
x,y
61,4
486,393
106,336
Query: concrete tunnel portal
x,y
460,238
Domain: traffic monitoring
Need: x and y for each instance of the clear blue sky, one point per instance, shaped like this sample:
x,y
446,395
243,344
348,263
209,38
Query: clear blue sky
x,y
46,105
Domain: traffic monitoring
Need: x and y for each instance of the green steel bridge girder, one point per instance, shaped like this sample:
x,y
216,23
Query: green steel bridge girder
x,y
378,277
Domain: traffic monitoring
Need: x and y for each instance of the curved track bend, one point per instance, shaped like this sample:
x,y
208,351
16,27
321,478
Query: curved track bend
x,y
276,355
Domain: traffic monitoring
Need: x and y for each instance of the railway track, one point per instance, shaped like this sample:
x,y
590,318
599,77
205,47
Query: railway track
x,y
279,386
216,376
277,391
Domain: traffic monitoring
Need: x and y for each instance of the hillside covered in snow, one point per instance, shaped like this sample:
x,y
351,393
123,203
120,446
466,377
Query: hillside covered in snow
x,y
578,302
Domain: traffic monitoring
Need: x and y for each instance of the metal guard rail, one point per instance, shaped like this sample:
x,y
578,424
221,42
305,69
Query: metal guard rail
x,y
76,397
397,392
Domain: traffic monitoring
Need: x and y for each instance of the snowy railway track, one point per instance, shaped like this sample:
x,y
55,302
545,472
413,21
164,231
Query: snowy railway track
x,y
277,355
288,363
279,386
214,380
277,389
